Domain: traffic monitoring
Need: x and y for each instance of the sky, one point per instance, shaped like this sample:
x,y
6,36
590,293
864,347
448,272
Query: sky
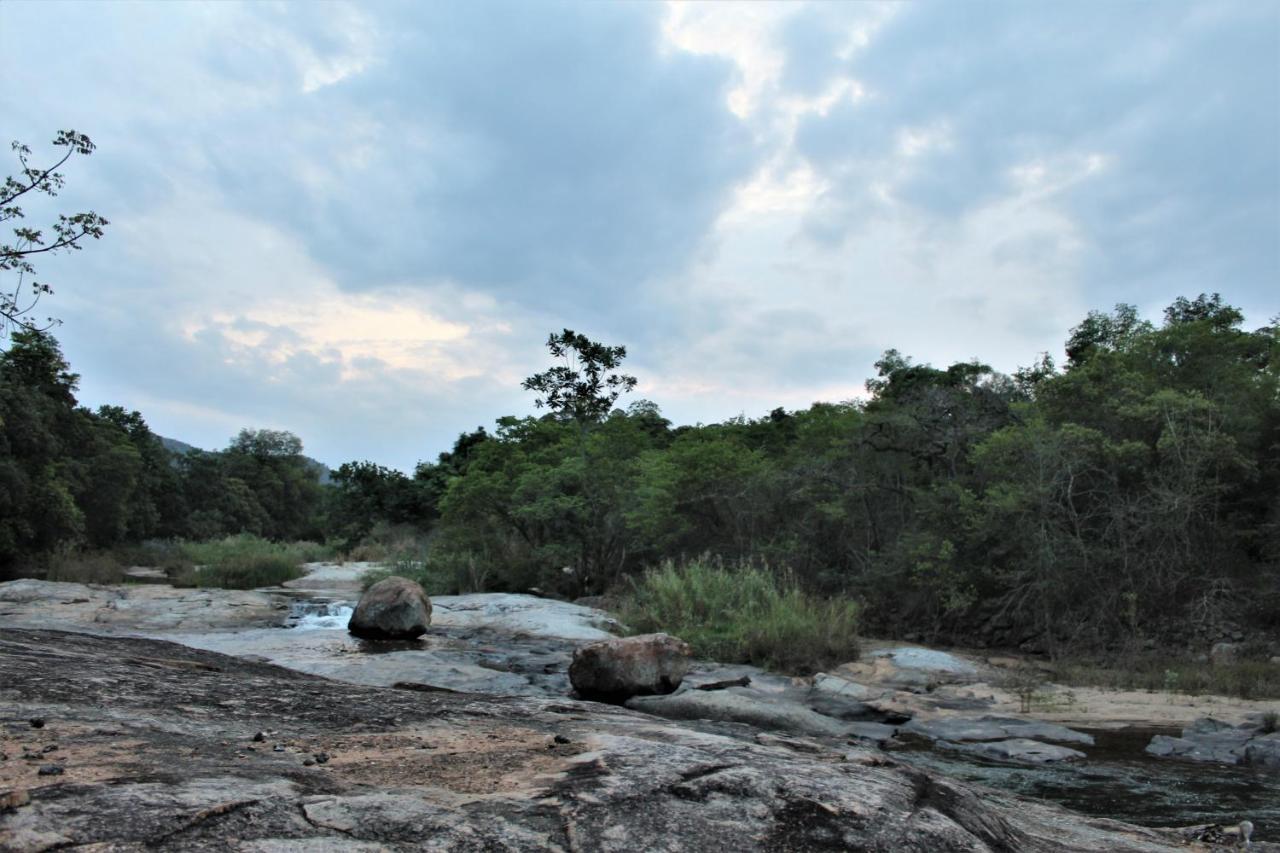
x,y
360,222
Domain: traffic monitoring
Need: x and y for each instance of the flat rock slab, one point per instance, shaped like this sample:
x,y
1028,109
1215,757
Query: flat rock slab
x,y
157,743
1022,750
139,609
741,705
987,728
927,660
523,614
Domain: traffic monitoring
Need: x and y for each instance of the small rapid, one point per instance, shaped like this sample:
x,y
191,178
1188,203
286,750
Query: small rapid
x,y
319,616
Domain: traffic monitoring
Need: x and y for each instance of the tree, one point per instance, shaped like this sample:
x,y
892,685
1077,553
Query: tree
x,y
583,387
68,231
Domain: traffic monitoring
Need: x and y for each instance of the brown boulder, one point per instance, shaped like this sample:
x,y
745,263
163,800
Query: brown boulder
x,y
392,609
614,670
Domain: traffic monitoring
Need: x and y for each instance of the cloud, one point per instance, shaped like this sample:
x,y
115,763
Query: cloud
x,y
360,225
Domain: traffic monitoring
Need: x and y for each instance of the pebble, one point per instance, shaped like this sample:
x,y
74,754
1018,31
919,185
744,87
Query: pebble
x,y
53,747
561,739
37,722
308,763
51,770
259,737
277,748
321,757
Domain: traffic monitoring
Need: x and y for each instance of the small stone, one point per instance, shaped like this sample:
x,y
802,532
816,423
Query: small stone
x,y
561,739
277,748
321,757
51,770
37,722
259,737
308,763
53,747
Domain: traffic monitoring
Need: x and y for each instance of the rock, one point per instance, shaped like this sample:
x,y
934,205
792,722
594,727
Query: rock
x,y
524,614
394,608
838,697
614,670
1016,749
51,770
1223,653
1264,751
737,705
1207,740
625,782
988,728
36,723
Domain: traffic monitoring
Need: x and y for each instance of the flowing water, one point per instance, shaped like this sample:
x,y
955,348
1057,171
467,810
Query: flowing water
x,y
1118,780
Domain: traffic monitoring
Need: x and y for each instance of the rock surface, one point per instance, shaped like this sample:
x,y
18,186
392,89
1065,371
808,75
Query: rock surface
x,y
1217,742
616,669
158,750
139,609
1016,749
394,608
988,728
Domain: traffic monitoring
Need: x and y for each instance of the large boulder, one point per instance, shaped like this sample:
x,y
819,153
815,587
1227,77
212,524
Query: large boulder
x,y
614,670
392,609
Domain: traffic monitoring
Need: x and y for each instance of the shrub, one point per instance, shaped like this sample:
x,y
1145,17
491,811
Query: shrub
x,y
91,567
1246,679
743,614
240,562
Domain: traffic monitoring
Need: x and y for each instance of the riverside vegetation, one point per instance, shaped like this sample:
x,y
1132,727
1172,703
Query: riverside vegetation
x,y
1127,503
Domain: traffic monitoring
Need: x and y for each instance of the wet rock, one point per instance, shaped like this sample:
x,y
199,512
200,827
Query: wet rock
x,y
1264,751
989,728
616,669
394,608
842,699
1016,749
1210,740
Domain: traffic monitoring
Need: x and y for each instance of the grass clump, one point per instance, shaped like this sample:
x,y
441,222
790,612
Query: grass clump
x,y
1244,679
241,562
85,567
743,614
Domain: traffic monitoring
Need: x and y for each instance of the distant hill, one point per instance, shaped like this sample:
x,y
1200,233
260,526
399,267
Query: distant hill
x,y
180,448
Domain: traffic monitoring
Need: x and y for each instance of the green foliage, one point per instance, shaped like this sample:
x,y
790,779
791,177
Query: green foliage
x,y
19,298
743,614
245,562
582,385
92,567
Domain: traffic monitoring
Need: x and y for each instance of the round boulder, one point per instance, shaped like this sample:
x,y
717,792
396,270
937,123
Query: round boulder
x,y
614,670
392,609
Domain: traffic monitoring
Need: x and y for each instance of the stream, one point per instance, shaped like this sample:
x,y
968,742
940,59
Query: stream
x,y
521,645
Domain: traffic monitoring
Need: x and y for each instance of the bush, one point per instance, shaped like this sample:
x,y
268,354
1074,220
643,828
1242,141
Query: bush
x,y
241,562
93,567
744,614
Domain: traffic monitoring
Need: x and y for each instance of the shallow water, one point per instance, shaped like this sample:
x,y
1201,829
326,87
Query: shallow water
x,y
1118,780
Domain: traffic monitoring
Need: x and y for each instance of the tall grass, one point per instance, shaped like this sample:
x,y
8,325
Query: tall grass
x,y
1246,679
243,562
743,614
92,567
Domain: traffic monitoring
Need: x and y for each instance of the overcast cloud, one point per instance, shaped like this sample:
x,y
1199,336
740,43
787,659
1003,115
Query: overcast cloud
x,y
359,222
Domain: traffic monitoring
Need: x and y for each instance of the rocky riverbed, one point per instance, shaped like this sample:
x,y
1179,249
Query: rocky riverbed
x,y
469,739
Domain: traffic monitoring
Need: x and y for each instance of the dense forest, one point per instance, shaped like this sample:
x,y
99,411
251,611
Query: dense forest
x,y
1135,488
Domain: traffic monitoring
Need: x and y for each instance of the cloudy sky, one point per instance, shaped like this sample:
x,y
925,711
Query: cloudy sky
x,y
359,222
